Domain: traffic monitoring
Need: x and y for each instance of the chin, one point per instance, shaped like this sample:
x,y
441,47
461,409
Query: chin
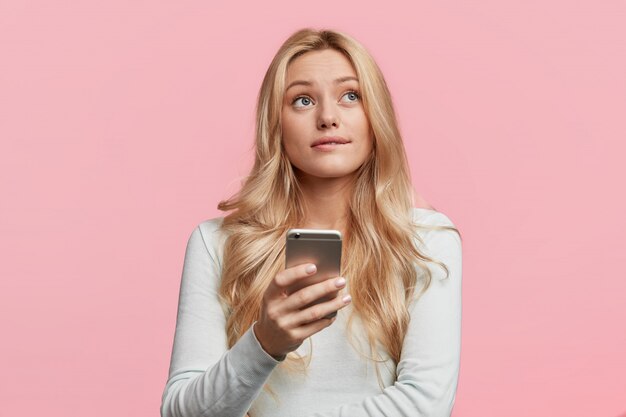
x,y
327,172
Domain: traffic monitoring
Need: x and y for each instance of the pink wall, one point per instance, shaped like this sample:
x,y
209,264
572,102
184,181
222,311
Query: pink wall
x,y
122,125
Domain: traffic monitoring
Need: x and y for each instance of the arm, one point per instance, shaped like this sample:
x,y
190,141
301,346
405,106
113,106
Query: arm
x,y
205,377
429,365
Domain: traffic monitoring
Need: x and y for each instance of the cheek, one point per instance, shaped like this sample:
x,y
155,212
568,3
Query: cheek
x,y
290,125
364,131
286,129
289,131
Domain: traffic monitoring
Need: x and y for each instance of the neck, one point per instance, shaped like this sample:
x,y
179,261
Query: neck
x,y
326,202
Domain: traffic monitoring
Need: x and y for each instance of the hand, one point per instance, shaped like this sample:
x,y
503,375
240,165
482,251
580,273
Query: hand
x,y
287,318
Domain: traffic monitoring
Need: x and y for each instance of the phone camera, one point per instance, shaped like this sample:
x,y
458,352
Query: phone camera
x,y
297,236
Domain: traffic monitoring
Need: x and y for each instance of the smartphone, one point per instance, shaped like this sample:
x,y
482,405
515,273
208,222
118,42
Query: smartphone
x,y
318,246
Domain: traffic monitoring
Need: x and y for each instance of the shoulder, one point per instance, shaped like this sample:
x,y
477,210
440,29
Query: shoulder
x,y
436,236
211,227
425,219
208,236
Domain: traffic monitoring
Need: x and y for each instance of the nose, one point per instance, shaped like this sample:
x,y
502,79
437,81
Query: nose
x,y
327,115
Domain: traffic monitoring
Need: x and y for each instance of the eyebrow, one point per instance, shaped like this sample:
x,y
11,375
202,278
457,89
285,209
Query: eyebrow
x,y
309,83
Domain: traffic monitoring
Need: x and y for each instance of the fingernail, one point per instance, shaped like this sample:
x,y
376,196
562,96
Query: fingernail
x,y
340,282
310,269
346,299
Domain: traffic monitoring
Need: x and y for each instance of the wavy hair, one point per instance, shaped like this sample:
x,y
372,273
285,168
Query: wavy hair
x,y
379,251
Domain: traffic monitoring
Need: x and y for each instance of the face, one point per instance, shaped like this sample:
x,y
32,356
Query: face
x,y
326,133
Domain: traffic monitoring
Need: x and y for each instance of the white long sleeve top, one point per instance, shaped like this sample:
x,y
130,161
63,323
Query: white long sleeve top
x,y
208,379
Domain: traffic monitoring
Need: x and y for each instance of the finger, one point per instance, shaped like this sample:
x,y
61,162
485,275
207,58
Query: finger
x,y
309,329
289,276
319,311
302,298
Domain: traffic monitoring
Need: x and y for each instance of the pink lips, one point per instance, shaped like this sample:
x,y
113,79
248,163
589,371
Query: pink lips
x,y
330,141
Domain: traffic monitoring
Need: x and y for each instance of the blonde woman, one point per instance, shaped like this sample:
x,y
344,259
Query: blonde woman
x,y
329,155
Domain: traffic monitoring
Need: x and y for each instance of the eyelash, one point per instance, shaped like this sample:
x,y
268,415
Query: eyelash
x,y
358,96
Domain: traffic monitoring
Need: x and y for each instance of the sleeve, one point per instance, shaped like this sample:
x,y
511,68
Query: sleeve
x,y
205,378
428,370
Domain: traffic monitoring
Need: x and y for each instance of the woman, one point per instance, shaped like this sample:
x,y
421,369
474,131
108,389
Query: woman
x,y
329,155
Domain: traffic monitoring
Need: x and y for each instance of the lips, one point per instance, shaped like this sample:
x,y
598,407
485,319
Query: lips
x,y
333,140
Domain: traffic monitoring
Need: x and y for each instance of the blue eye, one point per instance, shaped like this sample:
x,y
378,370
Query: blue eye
x,y
352,95
305,101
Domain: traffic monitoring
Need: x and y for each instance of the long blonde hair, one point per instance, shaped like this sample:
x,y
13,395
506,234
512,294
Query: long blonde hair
x,y
379,251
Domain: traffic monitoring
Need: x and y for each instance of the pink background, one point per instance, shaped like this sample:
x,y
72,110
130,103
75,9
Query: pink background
x,y
122,124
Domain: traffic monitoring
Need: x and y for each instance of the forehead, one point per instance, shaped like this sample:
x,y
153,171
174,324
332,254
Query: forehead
x,y
319,65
